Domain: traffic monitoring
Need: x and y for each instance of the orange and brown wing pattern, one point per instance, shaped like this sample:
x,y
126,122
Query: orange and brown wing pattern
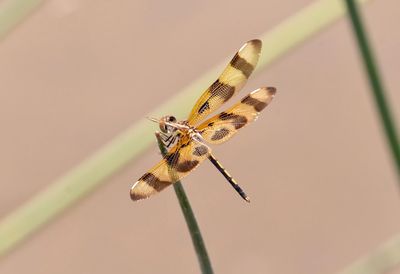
x,y
223,126
184,157
231,81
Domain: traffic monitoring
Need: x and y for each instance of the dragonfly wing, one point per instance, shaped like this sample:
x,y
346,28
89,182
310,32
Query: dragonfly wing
x,y
231,81
183,158
223,126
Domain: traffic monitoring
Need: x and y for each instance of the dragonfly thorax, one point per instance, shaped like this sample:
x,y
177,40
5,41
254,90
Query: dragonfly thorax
x,y
172,130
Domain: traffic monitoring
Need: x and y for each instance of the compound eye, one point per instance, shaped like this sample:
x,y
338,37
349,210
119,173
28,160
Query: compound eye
x,y
171,119
163,128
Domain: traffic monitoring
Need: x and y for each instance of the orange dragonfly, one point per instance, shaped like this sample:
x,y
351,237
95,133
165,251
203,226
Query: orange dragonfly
x,y
188,139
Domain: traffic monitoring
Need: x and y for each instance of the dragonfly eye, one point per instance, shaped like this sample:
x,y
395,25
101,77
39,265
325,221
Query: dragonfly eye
x,y
172,119
163,127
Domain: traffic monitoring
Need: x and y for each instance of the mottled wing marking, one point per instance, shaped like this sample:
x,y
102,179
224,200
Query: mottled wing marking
x,y
223,126
231,81
184,157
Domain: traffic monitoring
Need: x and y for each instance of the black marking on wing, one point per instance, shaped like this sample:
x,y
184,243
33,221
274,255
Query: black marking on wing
x,y
241,64
257,104
204,107
222,90
220,134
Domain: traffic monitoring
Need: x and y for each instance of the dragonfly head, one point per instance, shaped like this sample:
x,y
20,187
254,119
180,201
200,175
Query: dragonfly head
x,y
168,124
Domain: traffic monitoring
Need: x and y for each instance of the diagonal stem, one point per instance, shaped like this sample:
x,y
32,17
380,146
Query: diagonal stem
x,y
382,259
375,81
12,12
190,219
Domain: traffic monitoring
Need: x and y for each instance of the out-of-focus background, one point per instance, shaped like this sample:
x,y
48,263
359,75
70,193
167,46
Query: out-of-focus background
x,y
316,166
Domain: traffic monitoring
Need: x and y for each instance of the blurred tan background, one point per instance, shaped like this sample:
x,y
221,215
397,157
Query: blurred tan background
x,y
316,165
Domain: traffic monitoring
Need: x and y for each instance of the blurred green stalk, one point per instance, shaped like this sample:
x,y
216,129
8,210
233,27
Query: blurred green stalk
x,y
386,257
193,227
381,260
375,81
88,175
12,12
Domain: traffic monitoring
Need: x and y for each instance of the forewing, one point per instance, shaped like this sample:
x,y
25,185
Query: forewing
x,y
223,126
231,81
184,157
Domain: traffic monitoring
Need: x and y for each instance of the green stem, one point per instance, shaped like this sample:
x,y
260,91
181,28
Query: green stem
x,y
12,12
382,259
190,219
375,81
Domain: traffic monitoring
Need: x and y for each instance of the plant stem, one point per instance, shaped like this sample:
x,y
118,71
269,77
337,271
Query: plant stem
x,y
382,259
375,81
12,12
190,219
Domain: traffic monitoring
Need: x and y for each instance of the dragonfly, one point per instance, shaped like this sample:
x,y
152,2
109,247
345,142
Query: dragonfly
x,y
188,140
